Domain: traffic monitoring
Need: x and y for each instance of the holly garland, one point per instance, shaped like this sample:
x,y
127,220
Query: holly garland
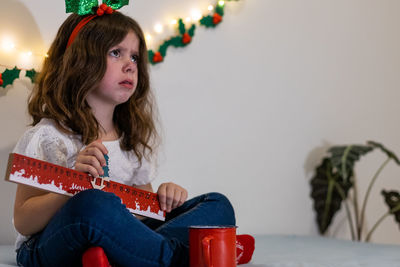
x,y
183,38
10,75
214,20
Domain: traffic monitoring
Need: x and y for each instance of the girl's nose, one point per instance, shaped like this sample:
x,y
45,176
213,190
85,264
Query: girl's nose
x,y
129,66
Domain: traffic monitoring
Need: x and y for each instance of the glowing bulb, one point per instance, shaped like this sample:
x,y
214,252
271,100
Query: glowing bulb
x,y
174,22
210,7
148,38
26,55
8,44
158,28
221,3
188,19
196,15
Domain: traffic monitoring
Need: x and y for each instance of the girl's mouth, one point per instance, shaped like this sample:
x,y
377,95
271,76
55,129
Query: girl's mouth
x,y
127,84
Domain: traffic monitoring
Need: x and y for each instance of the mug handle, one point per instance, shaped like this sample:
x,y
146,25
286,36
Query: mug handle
x,y
206,242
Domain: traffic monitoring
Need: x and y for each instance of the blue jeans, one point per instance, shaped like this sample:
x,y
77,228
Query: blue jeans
x,y
96,218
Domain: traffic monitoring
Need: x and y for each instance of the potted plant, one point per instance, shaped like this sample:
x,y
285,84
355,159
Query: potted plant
x,y
334,180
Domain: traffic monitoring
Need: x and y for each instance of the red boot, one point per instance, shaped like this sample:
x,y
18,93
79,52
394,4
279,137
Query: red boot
x,y
95,257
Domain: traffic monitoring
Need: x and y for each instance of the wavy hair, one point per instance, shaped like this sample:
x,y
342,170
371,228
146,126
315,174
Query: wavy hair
x,y
68,75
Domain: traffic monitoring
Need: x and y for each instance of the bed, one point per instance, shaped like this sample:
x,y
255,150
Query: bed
x,y
299,251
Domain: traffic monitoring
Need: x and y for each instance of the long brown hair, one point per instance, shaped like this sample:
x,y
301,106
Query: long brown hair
x,y
68,75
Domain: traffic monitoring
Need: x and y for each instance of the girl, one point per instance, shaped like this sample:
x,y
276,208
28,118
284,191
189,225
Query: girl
x,y
93,99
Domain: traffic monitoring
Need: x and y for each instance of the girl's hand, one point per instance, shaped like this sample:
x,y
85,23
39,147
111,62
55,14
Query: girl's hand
x,y
171,196
91,159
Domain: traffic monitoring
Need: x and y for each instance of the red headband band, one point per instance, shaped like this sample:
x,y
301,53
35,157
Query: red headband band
x,y
103,8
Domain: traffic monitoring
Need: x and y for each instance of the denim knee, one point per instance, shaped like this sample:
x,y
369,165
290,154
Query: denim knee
x,y
93,203
224,206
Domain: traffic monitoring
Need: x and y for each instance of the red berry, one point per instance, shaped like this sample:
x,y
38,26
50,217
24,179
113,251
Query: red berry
x,y
186,38
217,18
100,12
157,57
109,10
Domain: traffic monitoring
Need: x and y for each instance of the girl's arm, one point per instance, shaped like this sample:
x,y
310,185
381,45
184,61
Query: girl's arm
x,y
33,208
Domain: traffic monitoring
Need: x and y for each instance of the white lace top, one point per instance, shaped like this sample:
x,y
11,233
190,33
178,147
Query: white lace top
x,y
46,142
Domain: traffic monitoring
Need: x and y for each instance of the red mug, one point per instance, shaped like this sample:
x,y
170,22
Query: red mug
x,y
212,246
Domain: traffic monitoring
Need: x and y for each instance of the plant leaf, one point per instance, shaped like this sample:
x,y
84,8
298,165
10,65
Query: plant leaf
x,y
327,198
344,157
389,153
392,199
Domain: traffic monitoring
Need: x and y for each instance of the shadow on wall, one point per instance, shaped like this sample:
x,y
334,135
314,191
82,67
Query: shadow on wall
x,y
7,193
20,28
314,158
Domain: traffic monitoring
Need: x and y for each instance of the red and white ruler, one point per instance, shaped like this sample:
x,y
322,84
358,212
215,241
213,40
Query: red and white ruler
x,y
54,178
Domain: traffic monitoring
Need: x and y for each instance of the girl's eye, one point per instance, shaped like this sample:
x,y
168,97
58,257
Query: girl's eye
x,y
115,53
135,58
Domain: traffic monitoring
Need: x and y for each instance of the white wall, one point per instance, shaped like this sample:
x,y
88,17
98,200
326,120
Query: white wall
x,y
249,107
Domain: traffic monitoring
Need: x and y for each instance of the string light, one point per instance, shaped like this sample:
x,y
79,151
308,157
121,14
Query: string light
x,y
196,15
27,54
158,28
148,38
8,44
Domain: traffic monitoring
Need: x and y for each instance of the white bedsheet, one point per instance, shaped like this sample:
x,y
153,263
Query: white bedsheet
x,y
299,251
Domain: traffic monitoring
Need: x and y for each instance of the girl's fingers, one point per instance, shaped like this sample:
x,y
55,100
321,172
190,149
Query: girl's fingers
x,y
162,197
94,162
183,198
86,168
91,159
99,145
96,152
176,198
170,197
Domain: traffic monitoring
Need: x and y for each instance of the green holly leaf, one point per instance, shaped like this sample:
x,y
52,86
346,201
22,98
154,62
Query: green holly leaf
x,y
207,21
191,30
31,74
150,54
181,27
9,76
220,10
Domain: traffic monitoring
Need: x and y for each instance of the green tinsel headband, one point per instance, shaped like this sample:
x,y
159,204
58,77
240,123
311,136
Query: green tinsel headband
x,y
86,7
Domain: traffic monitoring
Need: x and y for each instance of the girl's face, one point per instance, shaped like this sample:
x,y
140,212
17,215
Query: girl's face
x,y
121,77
